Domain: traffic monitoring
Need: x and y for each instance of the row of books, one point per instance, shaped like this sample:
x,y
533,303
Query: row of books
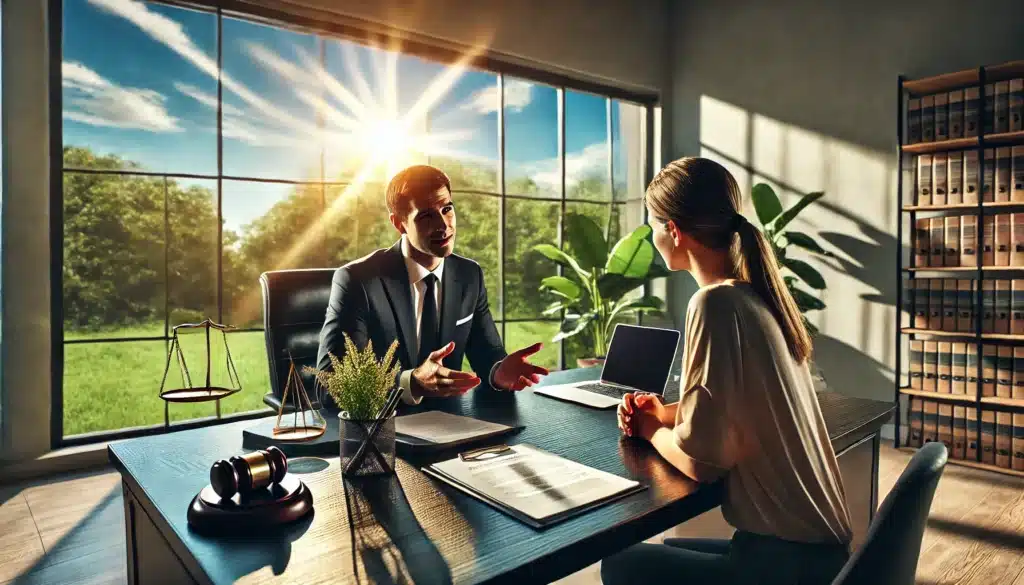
x,y
951,178
941,304
954,114
952,368
956,425
953,241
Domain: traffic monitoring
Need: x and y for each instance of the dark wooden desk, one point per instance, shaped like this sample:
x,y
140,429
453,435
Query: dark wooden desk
x,y
409,529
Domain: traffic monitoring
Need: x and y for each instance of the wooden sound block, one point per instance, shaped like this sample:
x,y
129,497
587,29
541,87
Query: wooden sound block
x,y
279,504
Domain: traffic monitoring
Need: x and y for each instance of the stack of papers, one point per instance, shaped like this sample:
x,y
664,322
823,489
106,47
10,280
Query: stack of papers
x,y
441,428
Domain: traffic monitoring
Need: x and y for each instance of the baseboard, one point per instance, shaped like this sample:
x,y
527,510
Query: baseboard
x,y
888,432
67,460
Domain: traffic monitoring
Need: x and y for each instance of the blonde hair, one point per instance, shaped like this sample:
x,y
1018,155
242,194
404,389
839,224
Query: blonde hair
x,y
703,199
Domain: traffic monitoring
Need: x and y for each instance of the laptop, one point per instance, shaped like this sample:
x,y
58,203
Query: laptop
x,y
639,360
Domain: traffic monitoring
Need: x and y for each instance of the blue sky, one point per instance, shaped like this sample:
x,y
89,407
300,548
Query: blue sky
x,y
140,82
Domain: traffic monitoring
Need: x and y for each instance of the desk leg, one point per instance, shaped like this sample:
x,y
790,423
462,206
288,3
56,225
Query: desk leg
x,y
858,465
150,560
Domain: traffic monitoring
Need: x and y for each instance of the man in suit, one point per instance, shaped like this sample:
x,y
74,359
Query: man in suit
x,y
430,299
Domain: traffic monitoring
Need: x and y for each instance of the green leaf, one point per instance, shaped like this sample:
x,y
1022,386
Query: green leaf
x,y
612,287
766,203
788,215
586,240
805,301
562,286
555,308
553,253
806,272
802,240
573,325
633,254
647,304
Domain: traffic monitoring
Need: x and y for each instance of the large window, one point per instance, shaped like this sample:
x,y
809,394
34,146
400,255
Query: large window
x,y
201,150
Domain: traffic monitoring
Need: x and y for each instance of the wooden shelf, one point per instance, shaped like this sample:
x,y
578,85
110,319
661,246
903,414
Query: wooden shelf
x,y
1004,138
963,335
961,398
942,145
996,205
974,464
1001,401
1004,71
965,269
944,82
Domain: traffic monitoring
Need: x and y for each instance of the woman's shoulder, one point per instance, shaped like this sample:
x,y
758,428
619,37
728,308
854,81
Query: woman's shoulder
x,y
722,296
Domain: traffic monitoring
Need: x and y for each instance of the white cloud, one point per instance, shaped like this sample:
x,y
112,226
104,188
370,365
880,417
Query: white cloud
x,y
237,123
95,100
485,101
206,99
593,158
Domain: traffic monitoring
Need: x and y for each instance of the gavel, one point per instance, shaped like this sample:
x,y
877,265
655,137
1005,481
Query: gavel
x,y
248,473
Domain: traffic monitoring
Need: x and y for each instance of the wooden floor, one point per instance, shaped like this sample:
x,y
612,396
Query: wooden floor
x,y
71,529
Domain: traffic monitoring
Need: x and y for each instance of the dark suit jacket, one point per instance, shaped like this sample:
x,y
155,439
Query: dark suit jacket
x,y
371,299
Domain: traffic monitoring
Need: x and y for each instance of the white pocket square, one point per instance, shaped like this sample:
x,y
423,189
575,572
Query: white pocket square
x,y
465,319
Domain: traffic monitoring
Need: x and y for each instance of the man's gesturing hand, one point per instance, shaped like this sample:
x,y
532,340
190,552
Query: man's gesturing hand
x,y
431,378
515,372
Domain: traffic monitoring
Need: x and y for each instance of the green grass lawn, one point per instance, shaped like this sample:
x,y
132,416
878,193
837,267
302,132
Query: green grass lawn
x,y
116,385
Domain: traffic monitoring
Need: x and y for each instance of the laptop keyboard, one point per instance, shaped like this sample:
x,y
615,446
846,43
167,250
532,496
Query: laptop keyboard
x,y
602,389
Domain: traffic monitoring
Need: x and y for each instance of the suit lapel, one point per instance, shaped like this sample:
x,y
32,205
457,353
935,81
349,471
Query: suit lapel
x,y
396,284
451,297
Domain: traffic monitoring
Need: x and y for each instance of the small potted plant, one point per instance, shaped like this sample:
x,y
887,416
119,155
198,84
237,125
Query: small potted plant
x,y
360,385
594,294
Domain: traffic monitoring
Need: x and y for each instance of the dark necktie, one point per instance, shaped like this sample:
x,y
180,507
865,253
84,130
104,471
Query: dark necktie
x,y
428,321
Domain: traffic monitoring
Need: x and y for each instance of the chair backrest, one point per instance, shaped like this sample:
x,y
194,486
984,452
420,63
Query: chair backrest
x,y
294,307
893,542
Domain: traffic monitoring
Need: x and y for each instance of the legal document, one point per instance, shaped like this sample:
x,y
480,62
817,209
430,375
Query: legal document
x,y
444,428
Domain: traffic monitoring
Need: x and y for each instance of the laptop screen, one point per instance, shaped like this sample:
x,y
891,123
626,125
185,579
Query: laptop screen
x,y
640,357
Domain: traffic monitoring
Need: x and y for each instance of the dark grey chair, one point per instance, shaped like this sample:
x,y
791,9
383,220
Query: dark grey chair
x,y
294,307
893,543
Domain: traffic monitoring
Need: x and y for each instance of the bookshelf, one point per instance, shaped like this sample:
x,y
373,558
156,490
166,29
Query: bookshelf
x,y
960,265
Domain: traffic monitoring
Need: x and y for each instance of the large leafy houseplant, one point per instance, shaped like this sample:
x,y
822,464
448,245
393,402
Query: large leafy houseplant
x,y
593,291
774,222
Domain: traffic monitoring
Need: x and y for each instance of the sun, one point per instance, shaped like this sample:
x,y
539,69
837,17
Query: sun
x,y
388,141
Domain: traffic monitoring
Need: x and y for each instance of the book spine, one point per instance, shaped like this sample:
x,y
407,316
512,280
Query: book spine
x,y
1004,371
956,114
1017,306
1017,391
1002,310
1003,173
913,120
972,433
1002,255
921,290
972,97
909,302
988,175
988,437
945,425
989,113
970,176
988,236
1004,439
1017,444
949,304
924,180
916,371
968,240
1002,120
955,174
1017,237
989,363
914,422
937,238
964,306
941,116
959,369
928,118
1017,173
931,367
959,432
945,368
940,166
931,421
1016,105
935,298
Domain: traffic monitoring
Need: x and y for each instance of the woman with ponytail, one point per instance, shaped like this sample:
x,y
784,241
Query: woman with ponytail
x,y
747,413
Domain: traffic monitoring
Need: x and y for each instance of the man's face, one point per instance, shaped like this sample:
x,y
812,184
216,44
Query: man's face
x,y
429,223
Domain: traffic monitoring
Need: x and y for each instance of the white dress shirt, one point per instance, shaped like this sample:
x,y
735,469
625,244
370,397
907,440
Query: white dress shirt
x,y
417,272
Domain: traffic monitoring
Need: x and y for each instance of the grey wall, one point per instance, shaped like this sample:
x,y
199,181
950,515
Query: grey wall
x,y
803,92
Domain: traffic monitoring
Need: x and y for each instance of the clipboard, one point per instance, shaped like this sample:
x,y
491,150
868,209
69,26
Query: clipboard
x,y
497,452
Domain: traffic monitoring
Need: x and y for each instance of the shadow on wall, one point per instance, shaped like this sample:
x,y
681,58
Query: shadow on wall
x,y
850,371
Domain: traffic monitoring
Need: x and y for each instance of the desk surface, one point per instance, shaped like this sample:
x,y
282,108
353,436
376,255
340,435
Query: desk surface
x,y
409,528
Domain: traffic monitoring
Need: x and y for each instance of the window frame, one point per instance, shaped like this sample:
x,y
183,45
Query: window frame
x,y
331,26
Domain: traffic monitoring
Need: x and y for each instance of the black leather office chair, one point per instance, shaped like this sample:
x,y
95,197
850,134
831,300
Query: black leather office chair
x,y
294,306
893,543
